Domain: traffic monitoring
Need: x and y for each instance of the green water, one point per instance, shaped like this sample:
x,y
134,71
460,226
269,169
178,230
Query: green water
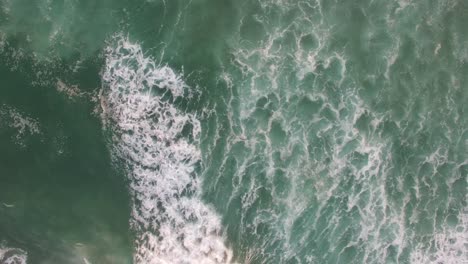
x,y
268,131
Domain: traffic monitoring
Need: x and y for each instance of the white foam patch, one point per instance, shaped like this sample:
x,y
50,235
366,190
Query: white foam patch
x,y
449,246
2,41
172,223
71,91
402,4
23,124
13,256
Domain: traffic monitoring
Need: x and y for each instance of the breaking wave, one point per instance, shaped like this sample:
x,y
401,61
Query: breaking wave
x,y
158,144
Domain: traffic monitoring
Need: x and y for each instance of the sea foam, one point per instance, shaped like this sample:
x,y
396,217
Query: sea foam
x,y
24,125
13,256
149,134
448,246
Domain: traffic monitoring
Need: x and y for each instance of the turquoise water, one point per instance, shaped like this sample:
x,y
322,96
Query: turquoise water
x,y
269,131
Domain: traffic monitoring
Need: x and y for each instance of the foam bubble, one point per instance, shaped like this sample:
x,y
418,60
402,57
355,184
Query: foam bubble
x,y
172,223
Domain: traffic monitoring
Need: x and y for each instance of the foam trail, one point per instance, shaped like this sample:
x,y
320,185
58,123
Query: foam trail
x,y
150,135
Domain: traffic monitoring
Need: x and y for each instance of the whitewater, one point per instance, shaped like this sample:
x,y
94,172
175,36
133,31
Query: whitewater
x,y
158,145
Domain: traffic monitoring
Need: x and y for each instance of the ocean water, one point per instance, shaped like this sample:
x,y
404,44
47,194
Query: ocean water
x,y
248,131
